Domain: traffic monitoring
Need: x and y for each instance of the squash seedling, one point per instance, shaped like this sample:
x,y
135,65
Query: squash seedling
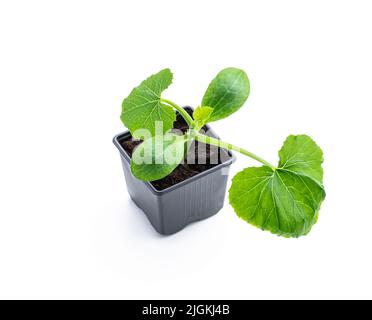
x,y
283,199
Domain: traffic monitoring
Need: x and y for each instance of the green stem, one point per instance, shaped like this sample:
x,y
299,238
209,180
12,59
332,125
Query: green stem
x,y
213,141
206,139
181,110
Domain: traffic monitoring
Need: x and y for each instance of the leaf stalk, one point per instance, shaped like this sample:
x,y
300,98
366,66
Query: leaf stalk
x,y
218,143
213,141
181,110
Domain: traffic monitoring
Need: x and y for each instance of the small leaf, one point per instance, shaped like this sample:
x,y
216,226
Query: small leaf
x,y
143,107
202,114
285,201
158,156
227,93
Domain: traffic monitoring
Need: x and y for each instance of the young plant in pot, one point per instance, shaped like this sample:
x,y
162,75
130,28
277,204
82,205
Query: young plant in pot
x,y
284,199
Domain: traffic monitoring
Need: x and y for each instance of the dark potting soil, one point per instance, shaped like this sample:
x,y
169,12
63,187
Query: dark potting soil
x,y
185,170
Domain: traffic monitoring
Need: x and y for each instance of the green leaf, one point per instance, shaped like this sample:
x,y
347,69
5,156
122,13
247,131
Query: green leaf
x,y
285,201
158,156
143,107
300,154
227,93
202,114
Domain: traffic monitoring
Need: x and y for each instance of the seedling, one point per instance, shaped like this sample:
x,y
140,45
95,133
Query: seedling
x,y
283,199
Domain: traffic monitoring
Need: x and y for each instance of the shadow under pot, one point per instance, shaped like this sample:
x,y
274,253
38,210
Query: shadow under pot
x,y
194,191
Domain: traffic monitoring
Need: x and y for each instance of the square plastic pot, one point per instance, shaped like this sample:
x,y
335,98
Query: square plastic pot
x,y
172,209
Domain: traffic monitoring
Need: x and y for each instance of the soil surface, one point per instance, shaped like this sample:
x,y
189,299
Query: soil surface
x,y
205,157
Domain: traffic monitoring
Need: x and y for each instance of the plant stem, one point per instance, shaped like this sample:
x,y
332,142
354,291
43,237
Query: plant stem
x,y
213,141
181,110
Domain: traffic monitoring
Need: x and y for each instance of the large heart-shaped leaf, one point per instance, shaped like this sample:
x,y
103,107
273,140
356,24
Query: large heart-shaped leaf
x,y
227,93
284,201
158,156
143,107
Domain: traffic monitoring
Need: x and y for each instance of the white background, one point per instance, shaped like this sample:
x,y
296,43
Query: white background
x,y
68,228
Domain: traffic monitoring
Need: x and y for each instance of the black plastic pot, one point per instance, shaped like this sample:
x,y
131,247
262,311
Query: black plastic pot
x,y
171,209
